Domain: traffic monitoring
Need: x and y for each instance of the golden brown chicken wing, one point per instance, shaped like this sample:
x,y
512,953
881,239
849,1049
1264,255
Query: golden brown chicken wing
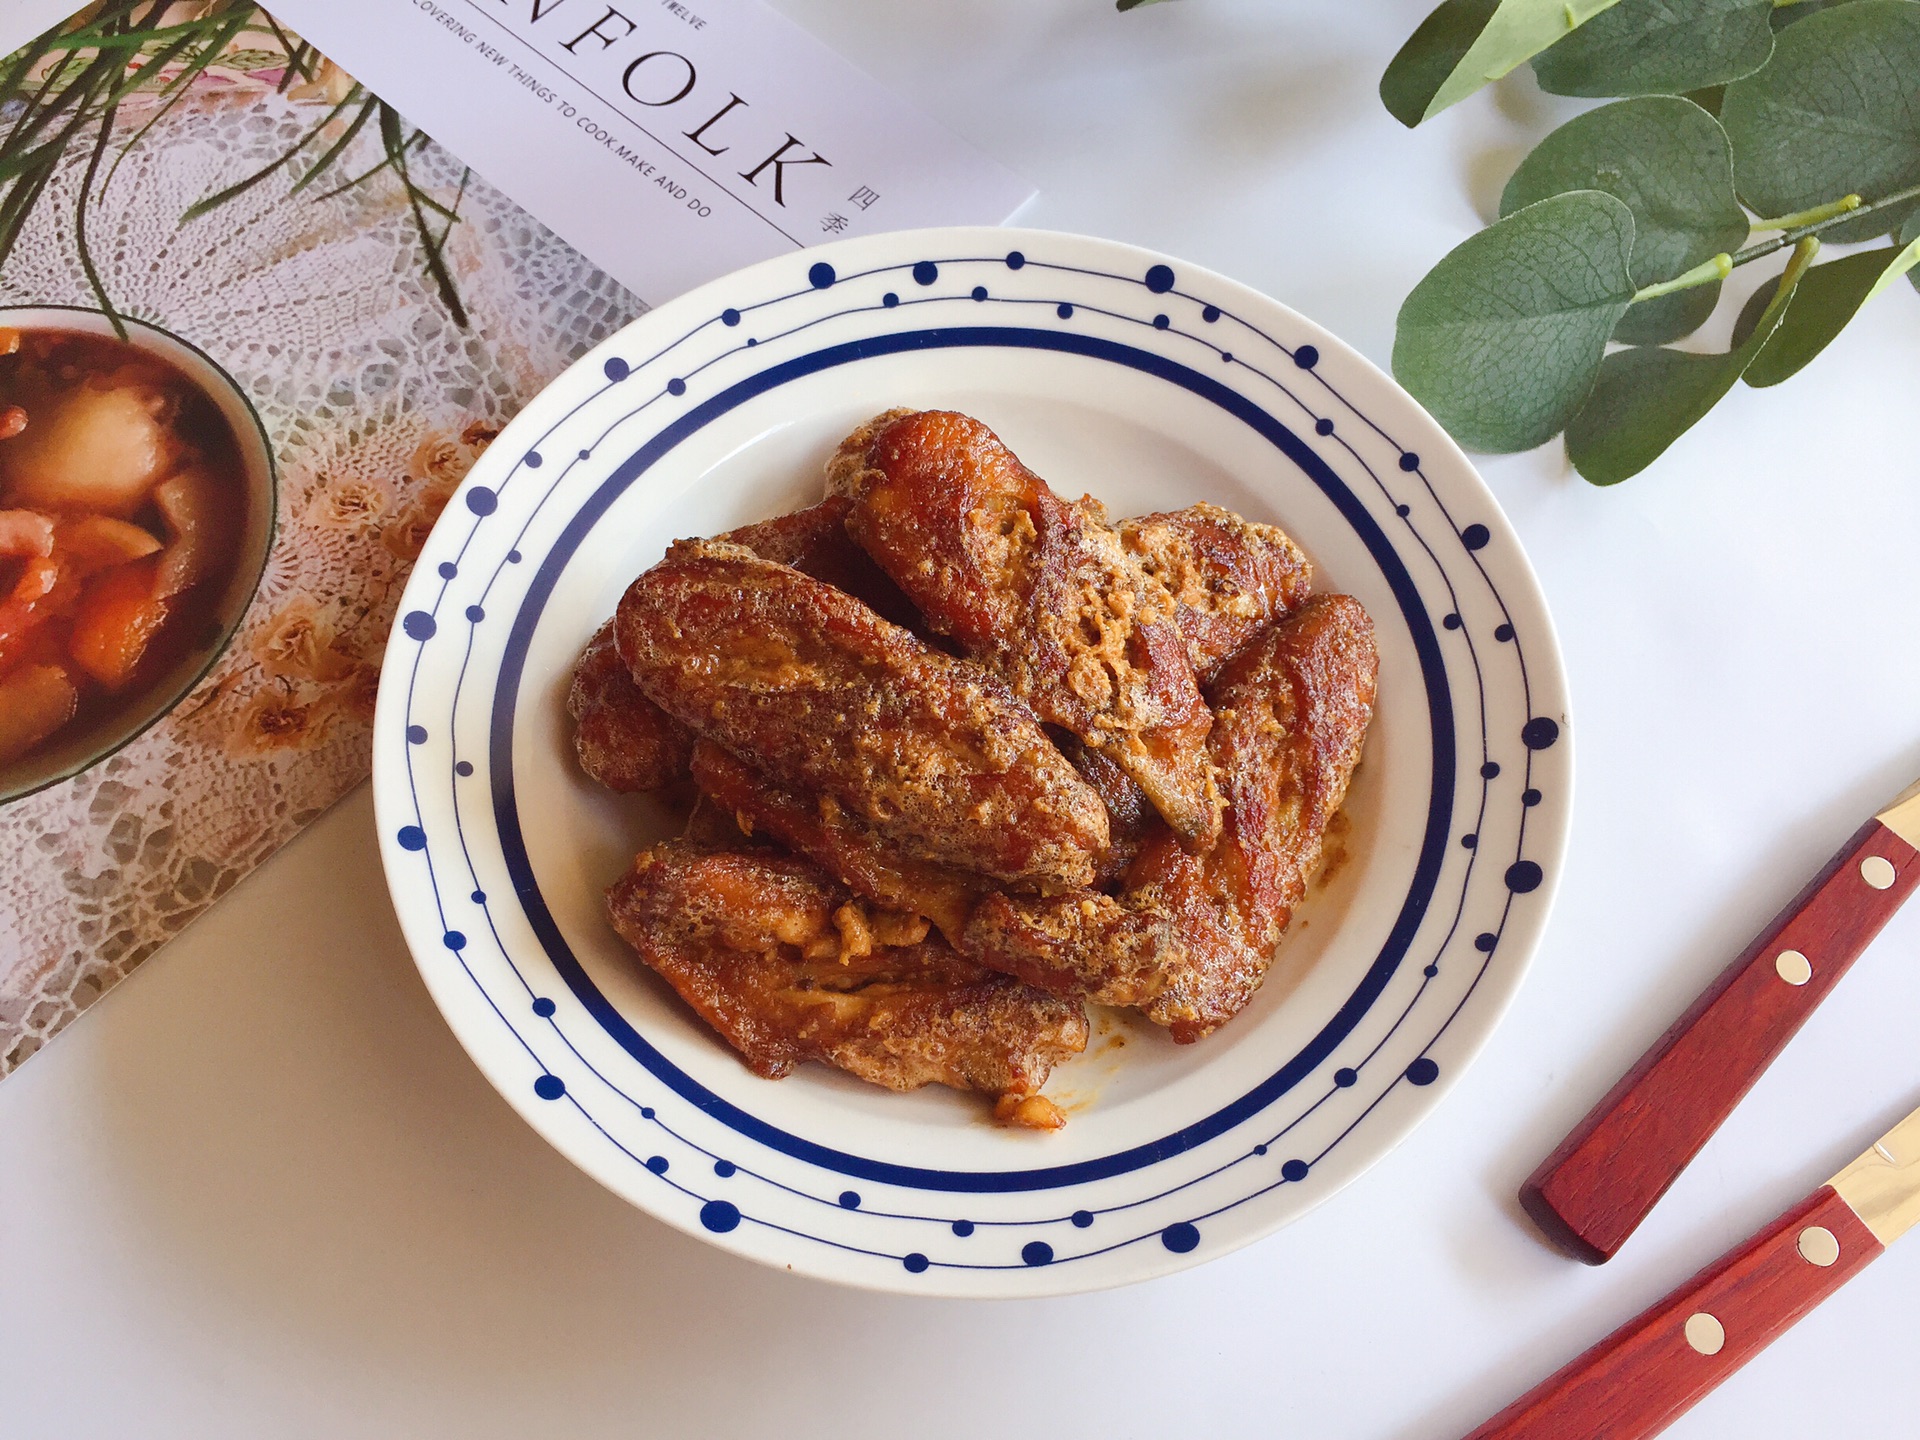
x,y
1228,578
788,967
824,832
825,697
1189,938
1040,591
628,743
623,739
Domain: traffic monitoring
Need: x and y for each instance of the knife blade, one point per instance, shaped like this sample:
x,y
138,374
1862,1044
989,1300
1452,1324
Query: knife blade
x,y
1593,1191
1645,1375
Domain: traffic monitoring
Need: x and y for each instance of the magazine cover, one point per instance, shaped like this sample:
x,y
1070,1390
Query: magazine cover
x,y
255,325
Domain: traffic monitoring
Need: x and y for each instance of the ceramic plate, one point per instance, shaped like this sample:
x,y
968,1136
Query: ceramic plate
x,y
1152,384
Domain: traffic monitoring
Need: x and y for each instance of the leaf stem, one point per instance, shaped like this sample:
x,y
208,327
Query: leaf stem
x,y
1793,228
1846,204
1705,273
1789,237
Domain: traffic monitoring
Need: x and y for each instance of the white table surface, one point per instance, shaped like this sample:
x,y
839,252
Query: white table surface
x,y
260,1191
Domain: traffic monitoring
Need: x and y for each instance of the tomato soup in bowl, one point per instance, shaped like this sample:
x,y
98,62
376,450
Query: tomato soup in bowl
x,y
136,511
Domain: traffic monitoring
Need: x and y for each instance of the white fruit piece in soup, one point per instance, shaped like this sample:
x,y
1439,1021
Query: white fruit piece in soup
x,y
100,445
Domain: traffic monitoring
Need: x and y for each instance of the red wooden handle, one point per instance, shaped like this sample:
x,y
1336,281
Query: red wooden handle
x,y
1593,1192
1641,1378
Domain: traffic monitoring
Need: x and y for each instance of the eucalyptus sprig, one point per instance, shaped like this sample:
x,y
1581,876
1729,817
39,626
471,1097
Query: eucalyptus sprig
x,y
1620,226
66,89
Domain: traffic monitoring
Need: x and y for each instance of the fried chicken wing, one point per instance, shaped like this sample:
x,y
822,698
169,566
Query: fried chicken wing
x,y
1131,817
623,739
1189,938
1228,578
815,542
788,968
628,743
1041,591
825,697
822,830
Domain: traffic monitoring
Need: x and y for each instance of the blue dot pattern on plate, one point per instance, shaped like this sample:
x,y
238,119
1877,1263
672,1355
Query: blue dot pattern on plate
x,y
849,1200
1346,1077
1539,733
416,734
925,273
1475,536
476,614
676,386
1306,357
1037,1252
454,940
1082,1219
1524,876
729,316
1423,1071
418,625
657,1164
1160,279
821,276
963,1228
719,1216
615,368
412,837
1485,941
549,1087
980,292
1015,260
724,1169
482,501
1181,1238
543,1007
914,1262
1294,1171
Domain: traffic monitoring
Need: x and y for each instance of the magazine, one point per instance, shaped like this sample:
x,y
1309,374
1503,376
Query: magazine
x,y
255,325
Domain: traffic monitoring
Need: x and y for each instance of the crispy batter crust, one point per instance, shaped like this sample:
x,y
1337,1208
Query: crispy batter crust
x,y
628,743
1227,578
823,831
1041,591
825,697
1189,939
815,542
623,739
788,968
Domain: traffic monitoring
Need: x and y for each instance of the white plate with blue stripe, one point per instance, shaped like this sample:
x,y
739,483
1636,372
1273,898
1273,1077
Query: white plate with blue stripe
x,y
1151,384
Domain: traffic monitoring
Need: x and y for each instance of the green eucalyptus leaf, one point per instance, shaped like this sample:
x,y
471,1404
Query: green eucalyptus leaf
x,y
1660,47
1502,340
1669,161
1648,397
1465,44
1827,298
1666,318
1835,112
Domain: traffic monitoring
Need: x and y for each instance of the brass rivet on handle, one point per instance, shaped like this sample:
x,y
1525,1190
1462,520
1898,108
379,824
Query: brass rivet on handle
x,y
1793,967
1878,872
1818,1246
1706,1334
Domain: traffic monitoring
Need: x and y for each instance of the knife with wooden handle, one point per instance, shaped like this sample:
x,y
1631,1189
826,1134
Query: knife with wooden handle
x,y
1645,1375
1596,1188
